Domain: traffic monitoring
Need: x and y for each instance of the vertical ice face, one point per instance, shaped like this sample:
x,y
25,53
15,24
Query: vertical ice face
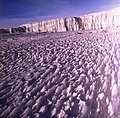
x,y
100,20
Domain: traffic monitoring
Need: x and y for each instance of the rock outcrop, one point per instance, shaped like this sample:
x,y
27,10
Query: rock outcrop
x,y
4,31
99,20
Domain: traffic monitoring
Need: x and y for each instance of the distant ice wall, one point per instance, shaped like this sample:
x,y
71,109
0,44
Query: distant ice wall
x,y
99,20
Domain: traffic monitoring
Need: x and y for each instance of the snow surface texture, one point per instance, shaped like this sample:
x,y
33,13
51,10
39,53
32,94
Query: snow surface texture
x,y
60,75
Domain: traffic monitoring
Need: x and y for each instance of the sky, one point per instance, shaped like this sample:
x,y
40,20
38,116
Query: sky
x,y
17,12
